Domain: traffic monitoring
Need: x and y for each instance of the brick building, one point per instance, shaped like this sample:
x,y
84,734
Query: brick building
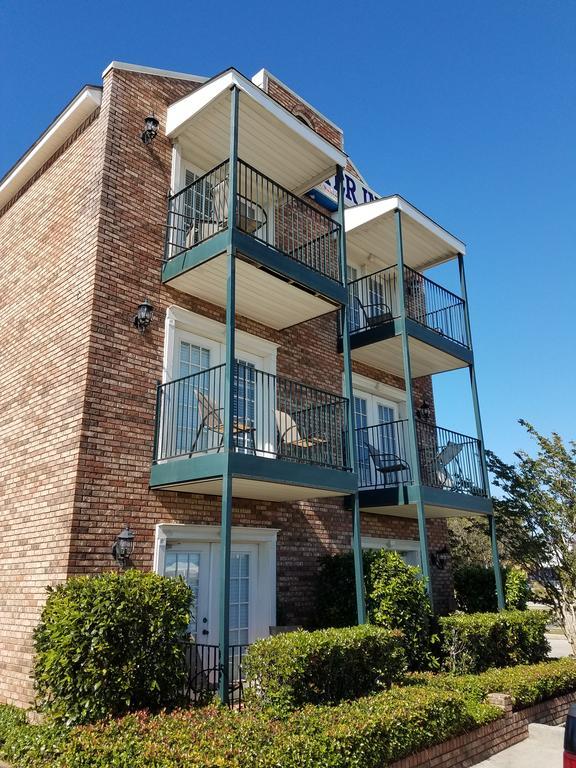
x,y
90,443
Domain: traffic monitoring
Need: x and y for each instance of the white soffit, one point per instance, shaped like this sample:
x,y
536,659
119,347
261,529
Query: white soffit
x,y
371,235
80,108
142,70
270,138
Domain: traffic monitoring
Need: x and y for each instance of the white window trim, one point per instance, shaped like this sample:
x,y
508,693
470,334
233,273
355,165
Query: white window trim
x,y
264,538
204,329
406,545
362,386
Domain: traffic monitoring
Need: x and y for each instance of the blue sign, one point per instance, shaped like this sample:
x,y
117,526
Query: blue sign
x,y
355,193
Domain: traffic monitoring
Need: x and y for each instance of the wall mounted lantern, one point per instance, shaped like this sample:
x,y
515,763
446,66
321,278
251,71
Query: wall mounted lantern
x,y
150,129
123,547
440,558
423,413
143,316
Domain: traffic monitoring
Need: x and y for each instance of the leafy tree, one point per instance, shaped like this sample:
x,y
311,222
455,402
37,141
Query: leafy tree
x,y
536,519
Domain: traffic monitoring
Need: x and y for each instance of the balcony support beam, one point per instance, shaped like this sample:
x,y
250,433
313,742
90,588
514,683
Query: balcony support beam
x,y
349,394
480,436
228,444
413,437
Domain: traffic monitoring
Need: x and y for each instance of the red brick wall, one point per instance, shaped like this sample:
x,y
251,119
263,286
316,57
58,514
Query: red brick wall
x,y
47,248
84,379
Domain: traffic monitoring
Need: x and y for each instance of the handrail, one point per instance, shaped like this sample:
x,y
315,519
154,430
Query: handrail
x,y
374,301
273,417
448,460
265,211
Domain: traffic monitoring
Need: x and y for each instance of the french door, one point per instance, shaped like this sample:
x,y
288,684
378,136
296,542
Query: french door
x,y
376,439
199,566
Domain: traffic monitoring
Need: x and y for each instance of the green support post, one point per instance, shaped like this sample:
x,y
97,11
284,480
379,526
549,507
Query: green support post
x,y
228,442
413,435
480,435
349,394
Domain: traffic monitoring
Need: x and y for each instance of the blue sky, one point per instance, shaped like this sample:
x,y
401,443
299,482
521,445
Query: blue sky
x,y
467,109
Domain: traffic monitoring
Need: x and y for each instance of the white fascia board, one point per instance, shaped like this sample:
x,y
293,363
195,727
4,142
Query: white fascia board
x,y
184,109
61,129
140,69
360,215
261,80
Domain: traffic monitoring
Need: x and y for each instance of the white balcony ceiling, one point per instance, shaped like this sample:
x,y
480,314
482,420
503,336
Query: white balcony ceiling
x,y
270,138
371,236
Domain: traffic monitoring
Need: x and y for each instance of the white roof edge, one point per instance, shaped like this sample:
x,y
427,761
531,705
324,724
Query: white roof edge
x,y
359,215
80,108
261,79
181,111
141,69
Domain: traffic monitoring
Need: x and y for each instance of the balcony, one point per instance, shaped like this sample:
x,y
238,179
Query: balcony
x,y
289,439
451,476
435,322
289,252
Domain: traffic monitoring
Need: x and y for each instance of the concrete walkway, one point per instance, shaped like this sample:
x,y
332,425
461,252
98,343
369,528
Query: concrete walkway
x,y
542,749
559,645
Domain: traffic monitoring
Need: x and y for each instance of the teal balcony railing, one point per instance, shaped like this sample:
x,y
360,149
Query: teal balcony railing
x,y
264,210
273,417
374,300
448,460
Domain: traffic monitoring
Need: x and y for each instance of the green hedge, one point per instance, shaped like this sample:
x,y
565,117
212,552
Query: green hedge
x,y
371,732
396,598
527,684
296,668
109,644
475,589
472,643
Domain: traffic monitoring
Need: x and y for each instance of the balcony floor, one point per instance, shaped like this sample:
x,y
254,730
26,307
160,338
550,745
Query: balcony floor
x,y
253,477
400,501
266,281
430,352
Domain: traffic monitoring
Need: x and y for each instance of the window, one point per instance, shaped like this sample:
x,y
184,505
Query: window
x,y
408,549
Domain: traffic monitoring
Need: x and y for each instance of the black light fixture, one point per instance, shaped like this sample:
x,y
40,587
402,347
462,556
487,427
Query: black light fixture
x,y
123,546
143,316
423,413
440,558
150,129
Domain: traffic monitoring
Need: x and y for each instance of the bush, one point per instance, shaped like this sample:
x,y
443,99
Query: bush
x,y
395,598
296,668
398,600
372,732
475,589
109,644
474,642
526,684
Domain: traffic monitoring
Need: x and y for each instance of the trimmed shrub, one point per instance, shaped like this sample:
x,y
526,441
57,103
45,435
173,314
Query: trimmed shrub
x,y
372,732
475,589
398,600
109,644
474,642
526,684
297,668
395,598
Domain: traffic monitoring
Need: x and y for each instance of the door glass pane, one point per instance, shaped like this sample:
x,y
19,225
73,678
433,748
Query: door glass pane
x,y
244,406
191,435
186,565
355,322
239,598
363,437
387,448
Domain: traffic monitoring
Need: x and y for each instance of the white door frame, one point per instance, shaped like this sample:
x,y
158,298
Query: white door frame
x,y
259,541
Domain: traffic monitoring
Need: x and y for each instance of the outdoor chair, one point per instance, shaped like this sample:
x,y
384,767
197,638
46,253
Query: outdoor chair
x,y
387,464
289,433
211,420
453,478
373,314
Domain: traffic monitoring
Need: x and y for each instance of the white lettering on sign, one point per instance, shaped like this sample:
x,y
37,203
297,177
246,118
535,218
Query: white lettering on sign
x,y
355,192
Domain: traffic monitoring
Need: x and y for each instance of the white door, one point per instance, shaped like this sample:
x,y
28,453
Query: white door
x,y
199,566
192,563
378,439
